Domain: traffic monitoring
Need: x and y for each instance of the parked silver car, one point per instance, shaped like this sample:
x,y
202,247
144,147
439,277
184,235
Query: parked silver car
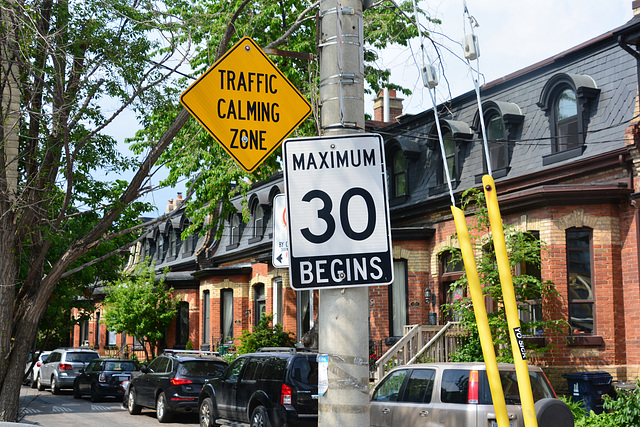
x,y
452,395
34,371
62,366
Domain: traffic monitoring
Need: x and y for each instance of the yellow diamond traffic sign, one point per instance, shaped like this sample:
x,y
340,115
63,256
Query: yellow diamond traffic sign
x,y
246,104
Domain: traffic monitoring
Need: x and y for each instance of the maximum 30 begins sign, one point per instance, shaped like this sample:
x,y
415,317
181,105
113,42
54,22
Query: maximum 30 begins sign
x,y
339,227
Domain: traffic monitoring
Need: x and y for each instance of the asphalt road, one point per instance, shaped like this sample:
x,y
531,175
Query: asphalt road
x,y
44,409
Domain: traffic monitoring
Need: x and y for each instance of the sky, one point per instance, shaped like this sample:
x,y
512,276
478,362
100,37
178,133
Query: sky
x,y
512,35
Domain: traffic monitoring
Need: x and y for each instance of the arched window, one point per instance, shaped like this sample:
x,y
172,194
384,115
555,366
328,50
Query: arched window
x,y
567,100
257,221
502,121
234,231
398,175
454,136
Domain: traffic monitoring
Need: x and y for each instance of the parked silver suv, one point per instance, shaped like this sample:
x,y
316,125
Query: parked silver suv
x,y
454,395
62,366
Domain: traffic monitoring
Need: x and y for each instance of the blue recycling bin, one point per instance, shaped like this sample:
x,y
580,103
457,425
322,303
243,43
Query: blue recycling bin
x,y
589,387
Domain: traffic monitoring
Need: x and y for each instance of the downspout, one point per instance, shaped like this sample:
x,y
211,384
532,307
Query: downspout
x,y
636,215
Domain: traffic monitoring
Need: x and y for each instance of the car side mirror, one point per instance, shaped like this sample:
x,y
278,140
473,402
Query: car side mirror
x,y
82,370
144,369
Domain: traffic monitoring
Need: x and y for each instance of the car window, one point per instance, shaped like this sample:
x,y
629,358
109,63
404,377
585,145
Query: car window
x,y
200,368
420,386
54,357
455,386
539,386
389,388
81,356
158,365
305,371
274,368
94,366
122,366
233,372
253,370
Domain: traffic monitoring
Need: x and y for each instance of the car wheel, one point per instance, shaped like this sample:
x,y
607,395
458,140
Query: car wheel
x,y
39,383
163,414
95,393
34,383
260,418
132,406
207,414
54,386
76,391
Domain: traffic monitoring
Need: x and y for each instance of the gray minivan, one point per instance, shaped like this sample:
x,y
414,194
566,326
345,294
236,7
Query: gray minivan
x,y
450,395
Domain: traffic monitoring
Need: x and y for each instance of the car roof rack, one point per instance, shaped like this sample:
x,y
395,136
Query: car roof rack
x,y
191,352
291,350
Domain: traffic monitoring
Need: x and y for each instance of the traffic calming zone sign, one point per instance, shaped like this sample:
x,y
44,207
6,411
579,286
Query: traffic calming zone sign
x,y
246,104
337,211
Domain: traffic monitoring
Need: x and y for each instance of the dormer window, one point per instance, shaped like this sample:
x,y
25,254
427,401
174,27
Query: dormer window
x,y
398,175
503,122
234,231
257,221
454,136
567,100
400,152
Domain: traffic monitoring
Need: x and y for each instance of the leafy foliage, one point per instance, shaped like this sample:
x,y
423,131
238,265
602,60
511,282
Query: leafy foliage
x,y
265,335
140,307
623,410
209,171
524,256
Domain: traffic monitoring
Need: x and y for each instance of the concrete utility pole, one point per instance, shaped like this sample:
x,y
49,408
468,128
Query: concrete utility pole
x,y
343,331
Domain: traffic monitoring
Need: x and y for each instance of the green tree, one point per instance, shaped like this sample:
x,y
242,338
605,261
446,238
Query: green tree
x,y
524,256
286,24
63,200
140,306
265,335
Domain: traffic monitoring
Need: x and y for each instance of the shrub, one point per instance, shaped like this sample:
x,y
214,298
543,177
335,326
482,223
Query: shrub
x,y
265,335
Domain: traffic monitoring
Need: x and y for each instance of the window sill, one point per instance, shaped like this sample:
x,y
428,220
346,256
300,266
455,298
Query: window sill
x,y
232,246
535,341
498,173
562,155
398,200
255,239
584,340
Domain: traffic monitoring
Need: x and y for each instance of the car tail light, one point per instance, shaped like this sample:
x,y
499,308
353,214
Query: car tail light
x,y
38,364
101,378
285,396
180,381
65,367
472,396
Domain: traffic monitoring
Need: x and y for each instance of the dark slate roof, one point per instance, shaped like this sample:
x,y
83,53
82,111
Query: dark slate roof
x,y
612,69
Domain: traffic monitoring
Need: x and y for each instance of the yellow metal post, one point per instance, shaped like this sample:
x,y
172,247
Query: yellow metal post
x,y
511,308
480,311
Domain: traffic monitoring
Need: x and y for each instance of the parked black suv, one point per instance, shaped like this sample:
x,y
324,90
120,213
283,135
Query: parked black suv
x,y
172,381
273,387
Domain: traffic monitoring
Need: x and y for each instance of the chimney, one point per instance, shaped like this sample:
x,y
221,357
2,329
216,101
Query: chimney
x,y
635,5
394,106
178,201
169,206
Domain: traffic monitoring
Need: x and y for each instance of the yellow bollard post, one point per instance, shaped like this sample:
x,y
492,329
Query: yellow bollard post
x,y
480,311
511,308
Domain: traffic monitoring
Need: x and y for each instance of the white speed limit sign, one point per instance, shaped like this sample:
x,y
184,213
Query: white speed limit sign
x,y
339,228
